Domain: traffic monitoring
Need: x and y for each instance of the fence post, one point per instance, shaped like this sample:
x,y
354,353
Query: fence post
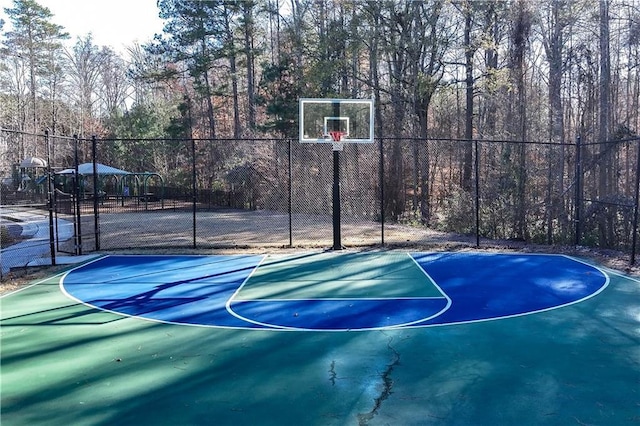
x,y
578,194
52,238
381,179
290,183
96,194
634,238
477,194
76,191
194,187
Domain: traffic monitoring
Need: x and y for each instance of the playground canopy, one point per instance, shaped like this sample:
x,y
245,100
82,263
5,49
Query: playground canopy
x,y
126,183
33,163
102,169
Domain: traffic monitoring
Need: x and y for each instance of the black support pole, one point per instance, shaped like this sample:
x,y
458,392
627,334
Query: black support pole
x,y
78,213
578,195
96,193
50,189
337,238
477,185
290,201
381,179
634,238
194,188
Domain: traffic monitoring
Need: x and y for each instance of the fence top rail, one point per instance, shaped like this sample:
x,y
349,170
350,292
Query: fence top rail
x,y
42,135
274,139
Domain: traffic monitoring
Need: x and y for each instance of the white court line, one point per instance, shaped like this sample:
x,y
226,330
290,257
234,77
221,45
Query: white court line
x,y
443,310
273,327
340,299
389,327
240,317
31,285
143,318
600,290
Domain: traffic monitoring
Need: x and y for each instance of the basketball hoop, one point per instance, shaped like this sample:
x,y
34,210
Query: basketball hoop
x,y
337,144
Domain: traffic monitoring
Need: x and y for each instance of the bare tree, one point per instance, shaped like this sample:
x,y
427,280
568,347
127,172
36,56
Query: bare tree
x,y
519,43
249,30
112,92
605,171
554,21
85,61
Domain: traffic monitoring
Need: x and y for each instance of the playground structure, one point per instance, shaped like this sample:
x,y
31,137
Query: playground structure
x,y
27,179
109,184
106,183
32,174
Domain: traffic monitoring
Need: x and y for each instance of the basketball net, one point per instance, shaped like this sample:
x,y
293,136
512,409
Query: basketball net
x,y
337,144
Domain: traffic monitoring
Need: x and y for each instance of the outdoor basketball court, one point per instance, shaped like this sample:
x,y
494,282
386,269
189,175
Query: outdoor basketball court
x,y
324,338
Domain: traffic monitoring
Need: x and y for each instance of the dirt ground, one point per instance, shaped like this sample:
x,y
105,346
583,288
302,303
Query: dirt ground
x,y
228,231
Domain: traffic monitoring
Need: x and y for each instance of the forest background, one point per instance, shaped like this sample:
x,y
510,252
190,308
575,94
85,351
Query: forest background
x,y
533,77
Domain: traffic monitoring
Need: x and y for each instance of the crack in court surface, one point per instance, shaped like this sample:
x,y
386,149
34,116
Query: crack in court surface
x,y
332,373
387,386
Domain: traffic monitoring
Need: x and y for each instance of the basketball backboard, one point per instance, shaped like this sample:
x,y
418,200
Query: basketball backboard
x,y
353,118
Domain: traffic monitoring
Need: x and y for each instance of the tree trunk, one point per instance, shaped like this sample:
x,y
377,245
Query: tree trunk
x,y
249,53
605,225
467,161
520,34
553,46
237,126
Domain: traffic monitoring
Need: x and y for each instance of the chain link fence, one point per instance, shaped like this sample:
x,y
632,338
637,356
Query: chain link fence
x,y
113,194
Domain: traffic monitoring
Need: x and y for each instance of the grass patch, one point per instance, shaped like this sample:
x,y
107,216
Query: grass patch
x,y
6,239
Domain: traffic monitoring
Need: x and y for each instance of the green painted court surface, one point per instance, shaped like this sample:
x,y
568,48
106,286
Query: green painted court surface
x,y
65,363
332,275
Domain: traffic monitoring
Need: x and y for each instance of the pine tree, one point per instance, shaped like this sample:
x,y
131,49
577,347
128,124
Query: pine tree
x,y
33,41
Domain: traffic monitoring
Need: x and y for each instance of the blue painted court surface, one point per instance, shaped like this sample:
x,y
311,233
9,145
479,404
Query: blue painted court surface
x,y
333,291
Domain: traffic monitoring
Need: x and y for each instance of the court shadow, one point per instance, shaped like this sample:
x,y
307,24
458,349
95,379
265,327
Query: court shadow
x,y
74,314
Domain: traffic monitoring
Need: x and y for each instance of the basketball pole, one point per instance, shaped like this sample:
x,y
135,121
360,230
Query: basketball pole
x,y
337,240
321,119
337,237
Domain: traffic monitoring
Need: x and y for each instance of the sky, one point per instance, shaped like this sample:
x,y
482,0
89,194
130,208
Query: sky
x,y
114,23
